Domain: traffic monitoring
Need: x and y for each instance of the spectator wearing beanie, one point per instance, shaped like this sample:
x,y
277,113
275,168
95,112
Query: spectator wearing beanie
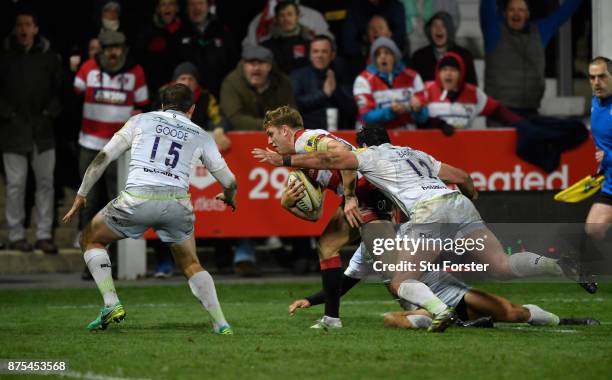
x,y
206,113
385,90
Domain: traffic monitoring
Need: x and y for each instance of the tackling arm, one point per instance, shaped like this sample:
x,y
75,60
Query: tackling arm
x,y
318,160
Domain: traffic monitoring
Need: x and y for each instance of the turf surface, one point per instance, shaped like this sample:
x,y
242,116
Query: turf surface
x,y
167,336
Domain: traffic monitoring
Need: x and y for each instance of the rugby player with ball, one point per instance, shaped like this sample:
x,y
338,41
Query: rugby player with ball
x,y
303,197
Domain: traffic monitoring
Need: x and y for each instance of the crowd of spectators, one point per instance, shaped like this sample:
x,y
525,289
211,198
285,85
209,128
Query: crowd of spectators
x,y
343,64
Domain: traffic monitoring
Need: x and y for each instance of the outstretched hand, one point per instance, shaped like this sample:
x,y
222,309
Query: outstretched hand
x,y
79,201
298,304
268,156
229,202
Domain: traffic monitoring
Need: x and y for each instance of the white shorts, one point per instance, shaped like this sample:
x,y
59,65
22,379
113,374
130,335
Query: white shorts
x,y
167,211
444,285
450,215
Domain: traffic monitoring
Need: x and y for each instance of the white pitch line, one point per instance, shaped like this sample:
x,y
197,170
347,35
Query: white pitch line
x,y
93,376
536,329
144,305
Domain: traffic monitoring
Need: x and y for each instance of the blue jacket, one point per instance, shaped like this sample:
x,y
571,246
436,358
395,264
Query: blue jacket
x,y
382,115
492,19
601,128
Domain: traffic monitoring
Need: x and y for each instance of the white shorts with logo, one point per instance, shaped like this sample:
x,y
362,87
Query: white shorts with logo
x,y
167,211
444,285
450,215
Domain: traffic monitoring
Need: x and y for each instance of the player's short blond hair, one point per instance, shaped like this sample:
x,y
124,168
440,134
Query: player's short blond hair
x,y
283,115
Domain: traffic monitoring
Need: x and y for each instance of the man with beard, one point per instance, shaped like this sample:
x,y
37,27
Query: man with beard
x,y
114,89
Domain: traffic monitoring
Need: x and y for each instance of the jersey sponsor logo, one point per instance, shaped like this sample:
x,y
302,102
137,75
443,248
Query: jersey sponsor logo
x,y
109,96
157,171
121,82
299,51
312,143
434,187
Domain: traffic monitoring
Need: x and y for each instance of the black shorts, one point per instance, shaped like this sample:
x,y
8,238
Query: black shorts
x,y
604,198
461,310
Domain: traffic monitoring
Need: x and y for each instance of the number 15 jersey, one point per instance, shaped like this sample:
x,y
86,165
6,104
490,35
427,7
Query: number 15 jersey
x,y
163,146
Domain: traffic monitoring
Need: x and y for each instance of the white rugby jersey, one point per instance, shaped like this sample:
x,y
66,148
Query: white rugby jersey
x,y
307,141
405,175
164,145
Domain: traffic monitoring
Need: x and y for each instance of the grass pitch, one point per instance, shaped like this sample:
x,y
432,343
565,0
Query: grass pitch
x,y
166,335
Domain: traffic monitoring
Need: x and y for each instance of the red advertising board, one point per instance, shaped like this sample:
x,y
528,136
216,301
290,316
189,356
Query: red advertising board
x,y
488,155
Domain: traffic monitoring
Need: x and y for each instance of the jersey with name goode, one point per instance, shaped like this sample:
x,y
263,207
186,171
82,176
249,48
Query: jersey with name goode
x,y
164,146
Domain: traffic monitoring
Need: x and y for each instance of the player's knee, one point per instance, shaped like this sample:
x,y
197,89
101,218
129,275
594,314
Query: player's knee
x,y
596,231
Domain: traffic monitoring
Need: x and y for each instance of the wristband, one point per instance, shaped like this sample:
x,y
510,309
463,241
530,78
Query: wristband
x,y
287,160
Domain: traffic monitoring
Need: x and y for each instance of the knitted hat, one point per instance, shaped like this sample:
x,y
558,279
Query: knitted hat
x,y
186,68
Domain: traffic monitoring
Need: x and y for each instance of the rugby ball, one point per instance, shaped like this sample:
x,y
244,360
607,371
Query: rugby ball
x,y
313,195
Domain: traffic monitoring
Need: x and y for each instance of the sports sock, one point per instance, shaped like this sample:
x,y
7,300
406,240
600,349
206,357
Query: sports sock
x,y
99,265
540,317
525,264
419,321
203,288
347,284
331,275
419,294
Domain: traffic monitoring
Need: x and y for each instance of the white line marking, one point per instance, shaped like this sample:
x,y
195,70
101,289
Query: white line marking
x,y
93,376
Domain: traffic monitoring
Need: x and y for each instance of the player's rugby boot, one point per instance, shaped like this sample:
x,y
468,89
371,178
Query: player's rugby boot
x,y
579,321
114,313
224,330
571,268
443,320
327,323
482,322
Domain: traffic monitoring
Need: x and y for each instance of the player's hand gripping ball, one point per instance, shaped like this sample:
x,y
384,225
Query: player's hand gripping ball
x,y
313,196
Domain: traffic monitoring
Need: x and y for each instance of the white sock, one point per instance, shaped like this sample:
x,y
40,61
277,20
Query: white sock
x,y
419,294
203,288
540,317
99,265
419,321
525,264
